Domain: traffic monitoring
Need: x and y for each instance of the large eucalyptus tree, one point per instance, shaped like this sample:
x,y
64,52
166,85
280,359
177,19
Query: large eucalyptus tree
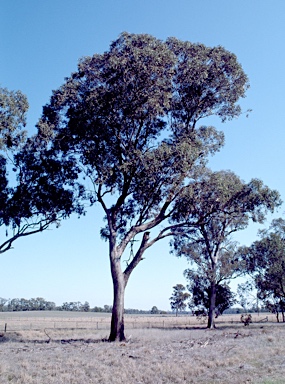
x,y
126,122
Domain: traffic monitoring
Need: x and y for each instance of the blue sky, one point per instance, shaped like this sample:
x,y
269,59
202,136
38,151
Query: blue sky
x,y
41,42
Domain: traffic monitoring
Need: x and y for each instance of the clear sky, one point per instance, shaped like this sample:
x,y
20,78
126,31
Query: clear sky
x,y
40,44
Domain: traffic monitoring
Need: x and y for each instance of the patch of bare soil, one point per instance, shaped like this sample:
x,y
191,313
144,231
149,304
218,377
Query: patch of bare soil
x,y
254,354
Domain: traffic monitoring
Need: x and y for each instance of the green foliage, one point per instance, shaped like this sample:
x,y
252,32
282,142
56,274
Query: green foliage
x,y
13,108
34,304
31,196
200,291
76,306
178,298
212,76
126,120
265,261
154,310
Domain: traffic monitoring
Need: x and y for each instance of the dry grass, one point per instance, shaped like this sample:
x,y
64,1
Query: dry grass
x,y
229,354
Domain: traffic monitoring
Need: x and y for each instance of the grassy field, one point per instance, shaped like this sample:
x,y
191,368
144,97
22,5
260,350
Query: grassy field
x,y
231,353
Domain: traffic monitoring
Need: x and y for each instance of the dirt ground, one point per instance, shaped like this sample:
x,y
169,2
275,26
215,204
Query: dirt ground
x,y
229,354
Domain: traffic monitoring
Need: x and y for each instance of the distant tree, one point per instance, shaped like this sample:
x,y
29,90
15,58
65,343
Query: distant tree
x,y
66,306
14,305
126,125
27,204
215,208
2,303
38,304
107,308
154,310
200,291
97,309
85,307
50,306
24,305
265,262
178,298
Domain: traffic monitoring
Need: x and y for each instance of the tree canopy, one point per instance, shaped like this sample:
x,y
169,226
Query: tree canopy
x,y
32,197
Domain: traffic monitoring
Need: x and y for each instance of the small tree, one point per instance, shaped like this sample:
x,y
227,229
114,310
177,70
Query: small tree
x,y
200,290
154,310
178,298
265,262
85,307
215,208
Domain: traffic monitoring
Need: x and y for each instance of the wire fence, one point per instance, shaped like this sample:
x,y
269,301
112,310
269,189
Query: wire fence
x,y
135,322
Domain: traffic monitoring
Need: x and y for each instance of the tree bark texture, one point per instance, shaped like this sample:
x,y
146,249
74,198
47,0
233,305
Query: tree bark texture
x,y
117,321
211,316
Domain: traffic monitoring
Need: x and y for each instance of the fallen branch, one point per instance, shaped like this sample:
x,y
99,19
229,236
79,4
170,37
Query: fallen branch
x,y
49,338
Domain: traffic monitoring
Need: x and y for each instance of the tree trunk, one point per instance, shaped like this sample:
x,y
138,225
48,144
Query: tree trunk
x,y
120,280
211,316
119,284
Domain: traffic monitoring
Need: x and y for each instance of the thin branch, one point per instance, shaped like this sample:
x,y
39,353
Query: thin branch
x,y
24,231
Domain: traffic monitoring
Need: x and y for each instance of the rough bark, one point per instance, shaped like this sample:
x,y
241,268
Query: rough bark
x,y
117,321
211,316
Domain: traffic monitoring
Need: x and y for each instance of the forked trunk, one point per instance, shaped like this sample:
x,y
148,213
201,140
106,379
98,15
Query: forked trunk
x,y
211,316
117,321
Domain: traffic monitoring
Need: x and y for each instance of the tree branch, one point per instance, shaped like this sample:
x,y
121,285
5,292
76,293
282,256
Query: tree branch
x,y
42,225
